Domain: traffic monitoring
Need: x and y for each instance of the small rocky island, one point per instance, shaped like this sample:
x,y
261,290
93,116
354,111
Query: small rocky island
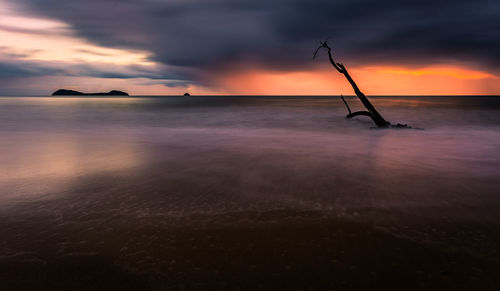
x,y
187,94
64,92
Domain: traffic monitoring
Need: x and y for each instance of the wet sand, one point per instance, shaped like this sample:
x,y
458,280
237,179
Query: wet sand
x,y
301,252
114,232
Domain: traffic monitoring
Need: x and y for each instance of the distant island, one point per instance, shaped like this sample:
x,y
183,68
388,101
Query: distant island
x,y
187,94
64,92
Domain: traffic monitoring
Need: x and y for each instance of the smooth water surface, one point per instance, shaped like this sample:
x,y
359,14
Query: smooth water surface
x,y
48,145
119,178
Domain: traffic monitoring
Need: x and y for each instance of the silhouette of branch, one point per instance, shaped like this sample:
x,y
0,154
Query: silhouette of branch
x,y
317,50
373,113
365,113
324,45
347,105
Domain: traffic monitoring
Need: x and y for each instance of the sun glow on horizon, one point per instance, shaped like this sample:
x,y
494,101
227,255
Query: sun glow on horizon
x,y
446,71
54,46
374,80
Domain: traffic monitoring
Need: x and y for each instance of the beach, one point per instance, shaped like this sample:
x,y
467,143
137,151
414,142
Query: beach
x,y
248,193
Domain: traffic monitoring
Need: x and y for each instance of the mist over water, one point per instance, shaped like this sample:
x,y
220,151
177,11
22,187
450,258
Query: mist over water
x,y
261,145
124,168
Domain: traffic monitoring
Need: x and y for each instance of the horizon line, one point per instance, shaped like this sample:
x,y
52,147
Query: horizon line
x,y
261,95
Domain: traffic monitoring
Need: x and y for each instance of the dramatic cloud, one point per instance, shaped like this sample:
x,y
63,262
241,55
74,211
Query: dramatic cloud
x,y
282,33
191,40
15,70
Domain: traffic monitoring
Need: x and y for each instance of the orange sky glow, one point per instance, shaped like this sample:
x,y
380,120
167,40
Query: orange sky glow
x,y
380,80
24,40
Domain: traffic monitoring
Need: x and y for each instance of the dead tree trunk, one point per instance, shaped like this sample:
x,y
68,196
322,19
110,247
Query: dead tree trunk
x,y
371,111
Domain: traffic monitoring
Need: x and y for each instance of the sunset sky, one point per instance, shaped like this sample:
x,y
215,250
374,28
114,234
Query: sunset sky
x,y
262,47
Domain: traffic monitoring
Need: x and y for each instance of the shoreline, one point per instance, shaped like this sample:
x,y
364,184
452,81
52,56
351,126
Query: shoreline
x,y
274,250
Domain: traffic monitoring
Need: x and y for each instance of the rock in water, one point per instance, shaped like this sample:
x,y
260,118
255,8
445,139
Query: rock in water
x,y
65,92
116,92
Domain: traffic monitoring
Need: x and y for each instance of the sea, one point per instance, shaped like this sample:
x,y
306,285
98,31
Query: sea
x,y
128,167
49,142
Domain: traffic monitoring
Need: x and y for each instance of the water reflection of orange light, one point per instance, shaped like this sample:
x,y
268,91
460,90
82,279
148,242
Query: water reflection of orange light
x,y
66,156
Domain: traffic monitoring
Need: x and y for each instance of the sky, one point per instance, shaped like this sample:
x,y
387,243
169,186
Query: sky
x,y
243,47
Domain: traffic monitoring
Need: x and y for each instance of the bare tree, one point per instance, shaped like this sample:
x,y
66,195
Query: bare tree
x,y
371,111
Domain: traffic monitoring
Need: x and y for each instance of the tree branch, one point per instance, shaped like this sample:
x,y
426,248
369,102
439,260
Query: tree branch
x,y
325,46
373,113
365,113
347,105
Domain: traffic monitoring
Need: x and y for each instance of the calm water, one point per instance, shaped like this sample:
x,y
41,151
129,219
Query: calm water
x,y
227,192
49,145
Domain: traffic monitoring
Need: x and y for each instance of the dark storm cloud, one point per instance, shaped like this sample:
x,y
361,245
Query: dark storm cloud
x,y
119,72
201,34
24,69
15,68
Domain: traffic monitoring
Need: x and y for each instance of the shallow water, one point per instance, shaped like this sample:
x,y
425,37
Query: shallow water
x,y
48,143
89,164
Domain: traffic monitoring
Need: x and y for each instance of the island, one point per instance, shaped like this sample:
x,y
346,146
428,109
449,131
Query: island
x,y
65,92
187,94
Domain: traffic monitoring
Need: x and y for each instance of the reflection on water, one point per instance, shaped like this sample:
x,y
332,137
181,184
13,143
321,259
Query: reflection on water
x,y
40,163
50,143
248,191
